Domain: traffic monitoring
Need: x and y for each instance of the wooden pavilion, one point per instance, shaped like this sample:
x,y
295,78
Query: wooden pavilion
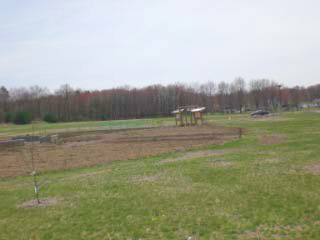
x,y
189,115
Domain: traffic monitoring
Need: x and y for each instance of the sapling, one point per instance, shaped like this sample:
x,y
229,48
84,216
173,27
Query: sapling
x,y
29,158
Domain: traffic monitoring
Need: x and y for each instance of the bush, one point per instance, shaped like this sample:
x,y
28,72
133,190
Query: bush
x,y
50,118
22,118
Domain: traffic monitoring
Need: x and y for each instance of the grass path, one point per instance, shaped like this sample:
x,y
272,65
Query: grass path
x,y
250,188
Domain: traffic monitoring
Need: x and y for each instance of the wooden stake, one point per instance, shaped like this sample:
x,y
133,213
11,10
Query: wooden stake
x,y
240,132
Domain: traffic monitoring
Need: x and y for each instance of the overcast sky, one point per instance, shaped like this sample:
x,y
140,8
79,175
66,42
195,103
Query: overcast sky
x,y
98,44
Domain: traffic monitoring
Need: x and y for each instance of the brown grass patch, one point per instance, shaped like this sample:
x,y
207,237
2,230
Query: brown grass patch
x,y
45,202
272,160
276,232
313,169
266,139
146,178
269,118
83,176
221,163
102,147
252,235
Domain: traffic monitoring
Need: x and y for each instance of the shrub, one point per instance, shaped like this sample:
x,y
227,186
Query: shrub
x,y
50,118
22,118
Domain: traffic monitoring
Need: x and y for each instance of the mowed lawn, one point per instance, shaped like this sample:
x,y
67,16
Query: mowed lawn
x,y
265,185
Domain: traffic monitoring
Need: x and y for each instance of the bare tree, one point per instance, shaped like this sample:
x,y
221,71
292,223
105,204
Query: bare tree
x,y
38,94
207,92
4,97
239,91
156,100
223,91
65,92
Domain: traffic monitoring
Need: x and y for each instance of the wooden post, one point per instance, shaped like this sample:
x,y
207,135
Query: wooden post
x,y
186,117
177,115
181,119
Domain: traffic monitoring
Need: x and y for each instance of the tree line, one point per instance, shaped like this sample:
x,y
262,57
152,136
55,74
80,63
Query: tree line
x,y
68,104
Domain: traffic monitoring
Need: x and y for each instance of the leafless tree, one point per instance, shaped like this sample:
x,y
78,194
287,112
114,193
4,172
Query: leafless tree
x,y
4,97
223,91
156,100
239,91
65,93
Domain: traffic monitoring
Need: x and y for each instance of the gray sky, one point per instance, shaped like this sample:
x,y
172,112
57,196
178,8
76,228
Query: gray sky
x,y
98,44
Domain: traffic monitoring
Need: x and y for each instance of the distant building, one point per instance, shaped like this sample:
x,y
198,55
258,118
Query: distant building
x,y
316,102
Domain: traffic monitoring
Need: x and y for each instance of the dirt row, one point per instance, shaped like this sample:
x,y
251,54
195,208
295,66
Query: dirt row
x,y
85,149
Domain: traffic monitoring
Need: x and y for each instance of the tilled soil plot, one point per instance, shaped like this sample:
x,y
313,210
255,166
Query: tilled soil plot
x,y
85,149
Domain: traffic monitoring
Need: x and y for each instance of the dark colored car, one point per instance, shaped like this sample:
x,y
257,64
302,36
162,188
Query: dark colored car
x,y
259,113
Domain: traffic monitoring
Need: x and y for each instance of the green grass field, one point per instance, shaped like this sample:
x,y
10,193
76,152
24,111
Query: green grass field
x,y
9,130
263,186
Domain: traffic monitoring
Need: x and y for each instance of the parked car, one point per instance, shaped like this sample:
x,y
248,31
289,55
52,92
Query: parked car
x,y
259,113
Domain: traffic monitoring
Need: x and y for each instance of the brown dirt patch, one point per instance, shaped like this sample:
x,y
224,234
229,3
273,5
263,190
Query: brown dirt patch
x,y
45,202
81,150
266,139
198,154
314,169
